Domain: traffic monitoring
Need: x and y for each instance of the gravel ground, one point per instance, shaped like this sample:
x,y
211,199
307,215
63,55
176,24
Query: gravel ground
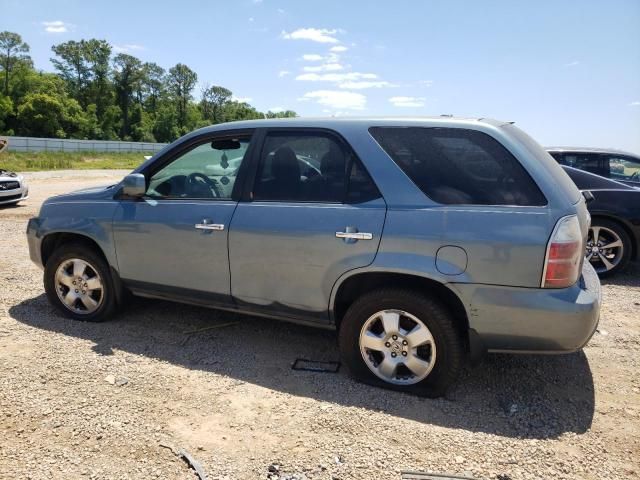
x,y
80,400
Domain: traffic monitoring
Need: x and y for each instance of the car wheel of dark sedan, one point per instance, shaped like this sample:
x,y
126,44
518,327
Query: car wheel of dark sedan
x,y
608,247
78,282
402,340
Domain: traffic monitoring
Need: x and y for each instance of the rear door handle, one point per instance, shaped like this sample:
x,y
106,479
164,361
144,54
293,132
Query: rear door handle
x,y
207,225
354,235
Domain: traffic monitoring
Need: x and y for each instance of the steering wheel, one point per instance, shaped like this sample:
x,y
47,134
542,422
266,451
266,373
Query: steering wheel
x,y
197,177
634,176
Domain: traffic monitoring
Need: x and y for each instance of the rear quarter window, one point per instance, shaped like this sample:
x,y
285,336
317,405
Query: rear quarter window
x,y
459,166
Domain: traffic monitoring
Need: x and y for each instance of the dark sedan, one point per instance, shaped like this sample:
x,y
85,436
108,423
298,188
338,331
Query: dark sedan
x,y
616,165
614,237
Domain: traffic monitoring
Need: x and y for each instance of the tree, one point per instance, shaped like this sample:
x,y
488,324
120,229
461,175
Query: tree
x,y
94,95
181,82
165,128
283,114
153,85
43,115
84,66
241,111
98,54
12,50
72,67
127,78
111,123
213,101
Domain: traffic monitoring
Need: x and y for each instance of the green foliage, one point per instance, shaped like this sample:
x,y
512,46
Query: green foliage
x,y
33,161
93,95
181,81
6,109
43,115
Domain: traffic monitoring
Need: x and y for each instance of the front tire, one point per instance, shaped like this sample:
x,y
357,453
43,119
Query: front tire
x,y
402,340
78,282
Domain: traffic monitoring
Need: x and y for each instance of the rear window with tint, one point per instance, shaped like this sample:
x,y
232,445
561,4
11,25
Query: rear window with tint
x,y
459,166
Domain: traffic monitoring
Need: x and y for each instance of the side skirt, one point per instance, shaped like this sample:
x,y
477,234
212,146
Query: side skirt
x,y
213,301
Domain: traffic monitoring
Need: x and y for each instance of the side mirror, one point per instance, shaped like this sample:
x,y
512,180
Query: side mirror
x,y
134,185
588,196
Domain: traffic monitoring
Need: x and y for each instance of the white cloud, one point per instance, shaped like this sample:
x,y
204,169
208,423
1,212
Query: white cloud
x,y
327,67
338,49
320,35
241,99
257,1
276,110
338,99
572,64
312,57
129,47
283,73
251,19
407,101
361,85
56,26
281,11
425,83
336,77
634,104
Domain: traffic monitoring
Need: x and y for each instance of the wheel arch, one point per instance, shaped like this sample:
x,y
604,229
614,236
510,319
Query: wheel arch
x,y
356,284
54,240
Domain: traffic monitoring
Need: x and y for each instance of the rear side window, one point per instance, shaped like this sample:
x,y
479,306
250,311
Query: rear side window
x,y
310,167
459,166
589,162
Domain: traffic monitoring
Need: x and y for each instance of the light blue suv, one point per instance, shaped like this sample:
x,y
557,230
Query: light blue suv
x,y
422,241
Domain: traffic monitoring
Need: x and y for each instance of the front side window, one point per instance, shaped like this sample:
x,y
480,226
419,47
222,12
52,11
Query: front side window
x,y
206,171
459,166
310,167
624,168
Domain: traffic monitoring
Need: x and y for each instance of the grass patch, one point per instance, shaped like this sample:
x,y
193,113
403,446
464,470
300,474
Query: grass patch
x,y
34,161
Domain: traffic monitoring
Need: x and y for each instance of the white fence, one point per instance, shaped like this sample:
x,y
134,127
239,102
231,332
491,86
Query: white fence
x,y
31,144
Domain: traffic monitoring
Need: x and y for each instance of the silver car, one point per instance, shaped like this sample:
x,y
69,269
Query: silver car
x,y
421,241
13,188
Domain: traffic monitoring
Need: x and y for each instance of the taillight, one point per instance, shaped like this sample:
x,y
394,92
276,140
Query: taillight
x,y
564,254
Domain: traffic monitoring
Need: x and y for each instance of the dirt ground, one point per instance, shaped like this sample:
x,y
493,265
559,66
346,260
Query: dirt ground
x,y
81,400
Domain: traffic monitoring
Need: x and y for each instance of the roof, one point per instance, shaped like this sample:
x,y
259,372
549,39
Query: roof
x,y
590,150
329,122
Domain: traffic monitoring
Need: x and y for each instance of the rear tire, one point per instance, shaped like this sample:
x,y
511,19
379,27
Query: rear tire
x,y
608,262
378,349
78,282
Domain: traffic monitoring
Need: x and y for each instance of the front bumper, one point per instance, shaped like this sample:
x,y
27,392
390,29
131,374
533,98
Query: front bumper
x,y
15,195
534,320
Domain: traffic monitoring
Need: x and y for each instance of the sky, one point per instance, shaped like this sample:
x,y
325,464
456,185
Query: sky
x,y
567,72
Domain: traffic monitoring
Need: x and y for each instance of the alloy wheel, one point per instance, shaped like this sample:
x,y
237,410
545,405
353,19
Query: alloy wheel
x,y
604,248
397,347
79,286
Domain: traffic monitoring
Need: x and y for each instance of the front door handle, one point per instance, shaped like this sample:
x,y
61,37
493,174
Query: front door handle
x,y
354,235
207,225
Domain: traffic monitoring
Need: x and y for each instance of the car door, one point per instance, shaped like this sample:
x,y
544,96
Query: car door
x,y
589,162
311,214
623,168
173,241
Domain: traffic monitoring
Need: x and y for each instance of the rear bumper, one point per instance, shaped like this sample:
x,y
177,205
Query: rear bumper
x,y
534,320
